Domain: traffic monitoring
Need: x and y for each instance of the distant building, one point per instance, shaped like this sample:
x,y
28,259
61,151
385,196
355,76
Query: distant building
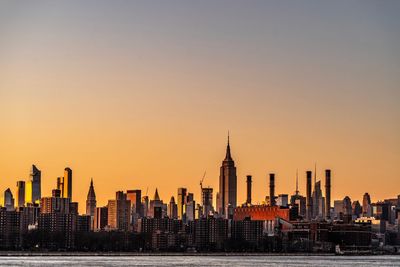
x,y
366,205
67,183
282,200
207,201
119,211
100,218
55,204
8,200
91,200
356,209
227,195
318,202
157,205
181,202
172,209
135,196
35,185
20,193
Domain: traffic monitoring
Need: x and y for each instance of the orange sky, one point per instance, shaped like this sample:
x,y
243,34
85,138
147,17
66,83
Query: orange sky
x,y
141,96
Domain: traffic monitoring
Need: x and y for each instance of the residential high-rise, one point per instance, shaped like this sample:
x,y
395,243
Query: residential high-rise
x,y
207,201
35,179
181,202
67,182
119,211
172,209
91,200
8,200
366,205
100,218
227,195
190,208
20,195
327,194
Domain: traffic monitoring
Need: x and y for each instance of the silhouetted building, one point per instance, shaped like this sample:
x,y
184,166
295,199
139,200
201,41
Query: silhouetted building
x,y
309,199
135,196
227,195
34,185
181,202
190,208
347,210
248,195
54,204
100,218
20,193
298,202
67,183
172,209
357,210
272,189
366,205
155,204
119,211
207,201
91,200
318,202
327,194
282,200
8,200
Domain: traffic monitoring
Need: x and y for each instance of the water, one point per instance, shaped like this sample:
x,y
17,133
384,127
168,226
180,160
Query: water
x,y
231,261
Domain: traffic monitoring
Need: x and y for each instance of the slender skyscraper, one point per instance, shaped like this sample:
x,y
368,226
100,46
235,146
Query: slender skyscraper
x,y
35,179
227,197
181,202
91,200
309,200
8,200
366,205
327,194
67,182
20,193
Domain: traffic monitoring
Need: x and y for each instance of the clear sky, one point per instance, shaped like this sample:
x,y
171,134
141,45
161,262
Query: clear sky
x,y
141,94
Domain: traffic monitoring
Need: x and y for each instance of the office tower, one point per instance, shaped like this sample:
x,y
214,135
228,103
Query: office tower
x,y
135,196
157,203
91,200
248,182
20,196
181,201
100,218
67,183
338,209
190,208
35,179
309,200
227,185
119,211
8,200
54,204
207,201
366,205
318,205
145,205
356,209
272,189
347,210
327,194
172,209
60,185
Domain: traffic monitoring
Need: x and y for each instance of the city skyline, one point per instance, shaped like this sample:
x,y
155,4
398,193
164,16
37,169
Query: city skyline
x,y
228,163
142,95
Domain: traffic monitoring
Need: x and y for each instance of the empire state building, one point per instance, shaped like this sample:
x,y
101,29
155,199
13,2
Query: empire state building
x,y
226,197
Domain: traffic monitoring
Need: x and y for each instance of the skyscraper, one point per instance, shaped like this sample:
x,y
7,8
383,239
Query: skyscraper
x,y
35,179
308,192
119,211
91,200
181,202
318,202
172,209
135,196
8,200
327,194
207,200
67,182
366,205
227,195
20,196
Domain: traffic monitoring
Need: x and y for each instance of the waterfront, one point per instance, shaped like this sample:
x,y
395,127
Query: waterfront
x,y
256,260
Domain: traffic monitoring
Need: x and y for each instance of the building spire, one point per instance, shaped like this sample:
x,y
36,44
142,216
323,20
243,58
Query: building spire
x,y
91,181
315,173
297,181
228,150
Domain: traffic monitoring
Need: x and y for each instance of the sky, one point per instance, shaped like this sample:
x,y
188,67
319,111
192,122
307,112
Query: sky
x,y
142,94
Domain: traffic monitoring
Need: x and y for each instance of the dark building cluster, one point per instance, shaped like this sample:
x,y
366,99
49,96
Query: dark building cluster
x,y
134,222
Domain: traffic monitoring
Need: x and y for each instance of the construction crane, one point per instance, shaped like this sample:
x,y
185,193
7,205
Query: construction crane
x,y
201,182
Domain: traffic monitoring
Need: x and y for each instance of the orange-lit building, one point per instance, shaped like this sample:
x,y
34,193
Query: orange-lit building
x,y
261,213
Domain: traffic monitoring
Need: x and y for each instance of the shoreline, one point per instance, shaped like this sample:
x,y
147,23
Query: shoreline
x,y
163,254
